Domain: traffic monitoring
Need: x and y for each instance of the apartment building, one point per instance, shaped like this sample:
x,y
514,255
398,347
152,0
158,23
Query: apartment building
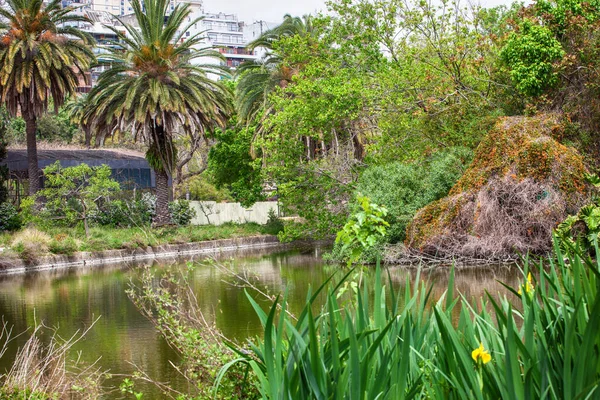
x,y
226,33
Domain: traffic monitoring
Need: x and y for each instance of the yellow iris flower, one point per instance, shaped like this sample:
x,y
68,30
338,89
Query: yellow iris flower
x,y
529,288
481,354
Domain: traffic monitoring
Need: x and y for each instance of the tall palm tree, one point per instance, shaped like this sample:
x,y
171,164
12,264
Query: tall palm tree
x,y
258,78
154,89
41,56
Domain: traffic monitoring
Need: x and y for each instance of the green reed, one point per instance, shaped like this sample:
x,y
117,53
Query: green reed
x,y
542,341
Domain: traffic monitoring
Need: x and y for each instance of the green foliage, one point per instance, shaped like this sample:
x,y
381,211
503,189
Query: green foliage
x,y
10,220
353,91
200,188
581,231
399,345
125,213
18,394
274,224
530,55
405,188
51,127
166,299
128,387
364,228
63,244
72,193
181,212
231,165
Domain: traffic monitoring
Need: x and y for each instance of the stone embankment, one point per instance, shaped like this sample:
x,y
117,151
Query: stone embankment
x,y
100,258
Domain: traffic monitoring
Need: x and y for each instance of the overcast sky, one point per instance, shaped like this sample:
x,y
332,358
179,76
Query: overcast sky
x,y
251,11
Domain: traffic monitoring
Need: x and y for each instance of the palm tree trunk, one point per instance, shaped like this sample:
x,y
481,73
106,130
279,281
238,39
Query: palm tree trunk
x,y
162,216
32,158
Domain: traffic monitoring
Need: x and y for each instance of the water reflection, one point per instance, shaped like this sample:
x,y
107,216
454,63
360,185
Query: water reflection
x,y
73,299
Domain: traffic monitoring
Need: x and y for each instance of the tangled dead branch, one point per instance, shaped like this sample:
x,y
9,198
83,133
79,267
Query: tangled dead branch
x,y
169,301
521,184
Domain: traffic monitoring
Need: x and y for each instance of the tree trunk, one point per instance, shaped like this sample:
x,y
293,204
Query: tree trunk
x,y
162,216
32,158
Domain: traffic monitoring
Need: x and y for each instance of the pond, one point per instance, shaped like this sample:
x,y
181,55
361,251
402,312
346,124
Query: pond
x,y
71,300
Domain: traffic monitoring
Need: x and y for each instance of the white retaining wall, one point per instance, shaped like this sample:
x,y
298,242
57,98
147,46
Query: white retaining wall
x,y
213,213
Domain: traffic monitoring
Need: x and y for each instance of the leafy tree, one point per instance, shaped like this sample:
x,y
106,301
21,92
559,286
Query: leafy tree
x,y
154,89
41,57
530,55
73,192
232,167
553,57
377,82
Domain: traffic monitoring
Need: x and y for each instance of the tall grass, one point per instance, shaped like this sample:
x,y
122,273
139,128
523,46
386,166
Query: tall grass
x,y
543,339
41,369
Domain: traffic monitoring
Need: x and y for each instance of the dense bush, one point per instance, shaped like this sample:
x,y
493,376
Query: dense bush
x,y
10,220
56,127
403,189
126,213
201,189
274,224
181,212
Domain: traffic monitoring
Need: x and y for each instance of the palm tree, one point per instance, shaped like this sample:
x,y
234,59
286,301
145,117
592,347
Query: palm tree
x,y
259,78
154,90
77,109
41,57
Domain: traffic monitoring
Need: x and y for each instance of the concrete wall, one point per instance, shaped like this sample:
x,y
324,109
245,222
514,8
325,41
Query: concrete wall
x,y
213,213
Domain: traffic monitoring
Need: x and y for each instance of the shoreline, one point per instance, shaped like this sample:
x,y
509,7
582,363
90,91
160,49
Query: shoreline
x,y
13,266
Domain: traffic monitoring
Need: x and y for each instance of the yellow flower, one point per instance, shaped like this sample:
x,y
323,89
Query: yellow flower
x,y
529,288
481,354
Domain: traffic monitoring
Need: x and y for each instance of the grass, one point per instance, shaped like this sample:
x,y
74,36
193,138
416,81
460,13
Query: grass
x,y
63,240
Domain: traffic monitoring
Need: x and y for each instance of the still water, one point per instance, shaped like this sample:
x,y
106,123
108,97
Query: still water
x,y
71,300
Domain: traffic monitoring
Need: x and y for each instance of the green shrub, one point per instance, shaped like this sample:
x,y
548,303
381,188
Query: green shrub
x,y
581,231
274,224
405,188
73,193
10,220
63,245
181,212
201,189
126,213
364,230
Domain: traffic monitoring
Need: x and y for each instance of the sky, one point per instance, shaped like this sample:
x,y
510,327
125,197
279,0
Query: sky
x,y
251,11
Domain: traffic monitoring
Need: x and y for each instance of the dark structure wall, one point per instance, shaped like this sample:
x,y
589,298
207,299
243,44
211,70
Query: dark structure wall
x,y
132,171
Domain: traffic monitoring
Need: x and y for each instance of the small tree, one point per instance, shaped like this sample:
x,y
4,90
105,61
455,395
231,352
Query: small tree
x,y
75,191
